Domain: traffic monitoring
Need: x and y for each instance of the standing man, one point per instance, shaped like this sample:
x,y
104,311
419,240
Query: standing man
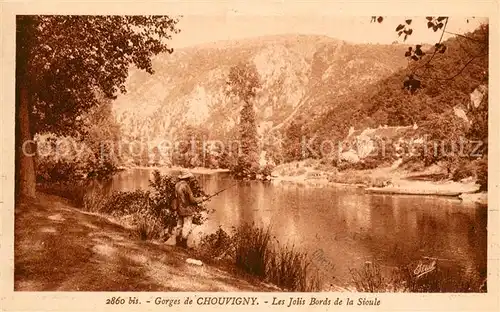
x,y
185,204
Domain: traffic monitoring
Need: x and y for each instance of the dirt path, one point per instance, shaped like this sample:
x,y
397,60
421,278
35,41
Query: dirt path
x,y
59,248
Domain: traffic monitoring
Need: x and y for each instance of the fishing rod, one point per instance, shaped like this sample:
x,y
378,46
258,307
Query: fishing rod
x,y
218,192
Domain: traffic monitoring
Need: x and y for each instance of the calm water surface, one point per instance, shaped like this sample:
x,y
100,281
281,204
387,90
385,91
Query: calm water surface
x,y
349,226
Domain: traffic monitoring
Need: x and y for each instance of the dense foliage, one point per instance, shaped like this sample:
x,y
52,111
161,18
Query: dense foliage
x,y
93,155
69,58
66,64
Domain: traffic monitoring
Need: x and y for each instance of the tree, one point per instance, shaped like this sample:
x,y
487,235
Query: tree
x,y
243,84
101,134
62,62
479,121
157,159
293,141
190,151
445,139
248,160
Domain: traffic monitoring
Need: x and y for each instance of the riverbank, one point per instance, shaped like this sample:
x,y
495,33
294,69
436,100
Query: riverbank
x,y
196,170
382,180
61,248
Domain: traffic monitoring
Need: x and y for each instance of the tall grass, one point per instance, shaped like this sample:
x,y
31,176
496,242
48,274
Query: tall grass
x,y
370,278
253,250
290,269
148,229
95,198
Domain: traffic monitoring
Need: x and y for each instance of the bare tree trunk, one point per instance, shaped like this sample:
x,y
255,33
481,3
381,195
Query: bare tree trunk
x,y
25,147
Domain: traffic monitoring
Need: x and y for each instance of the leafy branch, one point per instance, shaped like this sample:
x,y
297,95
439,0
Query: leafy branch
x,y
416,54
435,24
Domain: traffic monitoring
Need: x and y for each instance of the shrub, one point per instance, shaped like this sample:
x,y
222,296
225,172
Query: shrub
x,y
412,164
150,211
267,170
126,203
71,174
72,167
217,245
57,171
364,164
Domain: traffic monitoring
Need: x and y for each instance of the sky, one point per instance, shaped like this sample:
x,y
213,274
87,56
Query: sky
x,y
198,29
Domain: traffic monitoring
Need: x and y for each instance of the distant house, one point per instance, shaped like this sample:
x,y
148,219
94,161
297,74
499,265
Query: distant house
x,y
361,143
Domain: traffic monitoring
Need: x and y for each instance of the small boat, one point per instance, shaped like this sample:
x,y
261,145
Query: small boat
x,y
402,191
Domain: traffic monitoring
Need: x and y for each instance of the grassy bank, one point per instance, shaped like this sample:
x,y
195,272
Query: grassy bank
x,y
61,248
316,172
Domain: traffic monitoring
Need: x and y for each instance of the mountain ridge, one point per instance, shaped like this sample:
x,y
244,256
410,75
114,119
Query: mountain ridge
x,y
187,88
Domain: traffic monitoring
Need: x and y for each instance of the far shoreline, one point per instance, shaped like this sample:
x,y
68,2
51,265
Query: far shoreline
x,y
381,180
196,170
397,184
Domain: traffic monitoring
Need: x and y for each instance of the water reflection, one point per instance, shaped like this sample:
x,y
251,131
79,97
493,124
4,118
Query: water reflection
x,y
347,224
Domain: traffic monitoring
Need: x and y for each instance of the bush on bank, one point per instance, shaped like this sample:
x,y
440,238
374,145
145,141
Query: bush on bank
x,y
151,211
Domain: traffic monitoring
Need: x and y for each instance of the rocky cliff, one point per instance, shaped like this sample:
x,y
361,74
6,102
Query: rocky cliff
x,y
298,73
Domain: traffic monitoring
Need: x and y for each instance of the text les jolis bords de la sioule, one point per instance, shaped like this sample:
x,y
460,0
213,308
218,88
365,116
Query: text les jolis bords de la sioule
x,y
242,300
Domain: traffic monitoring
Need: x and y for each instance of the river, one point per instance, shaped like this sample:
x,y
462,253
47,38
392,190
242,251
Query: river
x,y
346,224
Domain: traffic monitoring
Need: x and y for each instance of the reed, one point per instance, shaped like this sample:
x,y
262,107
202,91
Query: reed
x,y
289,268
370,278
148,229
253,250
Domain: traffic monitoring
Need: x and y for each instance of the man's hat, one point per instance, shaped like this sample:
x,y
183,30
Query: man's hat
x,y
185,175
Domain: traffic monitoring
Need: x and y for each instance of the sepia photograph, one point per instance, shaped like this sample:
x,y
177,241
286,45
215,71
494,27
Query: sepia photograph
x,y
251,153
